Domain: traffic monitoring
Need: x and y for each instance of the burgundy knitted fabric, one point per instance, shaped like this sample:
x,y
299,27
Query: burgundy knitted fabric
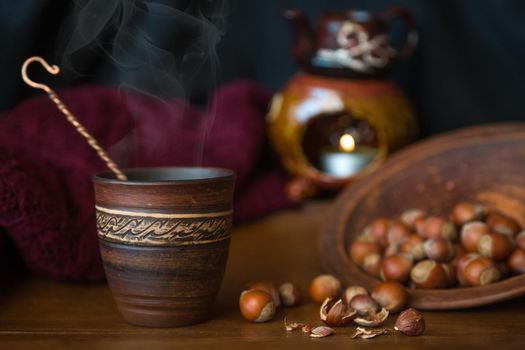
x,y
46,194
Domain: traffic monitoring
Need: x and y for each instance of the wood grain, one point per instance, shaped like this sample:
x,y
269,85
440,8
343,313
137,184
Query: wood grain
x,y
484,164
164,237
38,314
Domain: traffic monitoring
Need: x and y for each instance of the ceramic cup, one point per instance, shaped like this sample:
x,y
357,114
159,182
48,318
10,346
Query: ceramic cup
x,y
164,237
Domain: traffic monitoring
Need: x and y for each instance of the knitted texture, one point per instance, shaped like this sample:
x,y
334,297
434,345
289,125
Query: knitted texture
x,y
46,194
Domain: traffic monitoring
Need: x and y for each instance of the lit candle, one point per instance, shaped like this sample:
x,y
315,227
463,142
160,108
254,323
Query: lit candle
x,y
348,160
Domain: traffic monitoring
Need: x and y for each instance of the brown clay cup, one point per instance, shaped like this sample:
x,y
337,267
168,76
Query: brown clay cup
x,y
164,237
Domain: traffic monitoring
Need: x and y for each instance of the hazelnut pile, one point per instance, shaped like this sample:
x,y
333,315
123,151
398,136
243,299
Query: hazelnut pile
x,y
339,308
354,304
474,246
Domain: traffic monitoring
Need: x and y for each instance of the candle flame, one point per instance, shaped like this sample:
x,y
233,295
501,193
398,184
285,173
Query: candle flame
x,y
347,143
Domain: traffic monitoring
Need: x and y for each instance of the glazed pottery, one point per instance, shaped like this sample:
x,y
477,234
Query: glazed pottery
x,y
351,43
164,236
341,94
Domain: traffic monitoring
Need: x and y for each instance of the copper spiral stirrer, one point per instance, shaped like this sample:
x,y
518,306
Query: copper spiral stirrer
x,y
67,113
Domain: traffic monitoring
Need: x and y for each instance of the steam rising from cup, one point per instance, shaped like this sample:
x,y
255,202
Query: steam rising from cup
x,y
157,48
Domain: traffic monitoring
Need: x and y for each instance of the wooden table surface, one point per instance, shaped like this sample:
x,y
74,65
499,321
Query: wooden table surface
x,y
39,314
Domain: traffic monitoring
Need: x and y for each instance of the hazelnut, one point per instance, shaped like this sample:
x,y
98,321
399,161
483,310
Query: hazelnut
x,y
520,240
378,229
361,248
419,226
481,271
335,313
364,304
411,216
256,306
397,232
366,237
502,223
460,267
267,287
452,277
391,295
437,226
413,245
372,264
471,233
396,267
410,322
464,212
431,227
391,249
503,268
324,286
290,294
428,274
459,252
439,249
352,291
495,245
516,261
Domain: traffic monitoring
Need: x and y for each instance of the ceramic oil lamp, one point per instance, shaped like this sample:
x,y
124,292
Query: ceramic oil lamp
x,y
340,116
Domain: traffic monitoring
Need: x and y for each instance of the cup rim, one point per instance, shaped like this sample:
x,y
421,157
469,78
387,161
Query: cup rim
x,y
222,174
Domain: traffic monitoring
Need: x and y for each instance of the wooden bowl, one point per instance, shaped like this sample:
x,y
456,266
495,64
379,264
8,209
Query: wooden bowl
x,y
483,163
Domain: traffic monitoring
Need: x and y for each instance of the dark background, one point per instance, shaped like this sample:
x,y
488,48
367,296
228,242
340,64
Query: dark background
x,y
468,69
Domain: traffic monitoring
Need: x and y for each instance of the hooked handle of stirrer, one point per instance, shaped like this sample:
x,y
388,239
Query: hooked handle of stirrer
x,y
68,114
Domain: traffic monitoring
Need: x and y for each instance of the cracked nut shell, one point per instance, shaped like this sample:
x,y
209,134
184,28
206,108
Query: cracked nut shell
x,y
373,319
321,332
335,313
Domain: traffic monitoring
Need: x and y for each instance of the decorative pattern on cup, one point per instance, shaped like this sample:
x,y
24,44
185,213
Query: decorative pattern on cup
x,y
162,229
